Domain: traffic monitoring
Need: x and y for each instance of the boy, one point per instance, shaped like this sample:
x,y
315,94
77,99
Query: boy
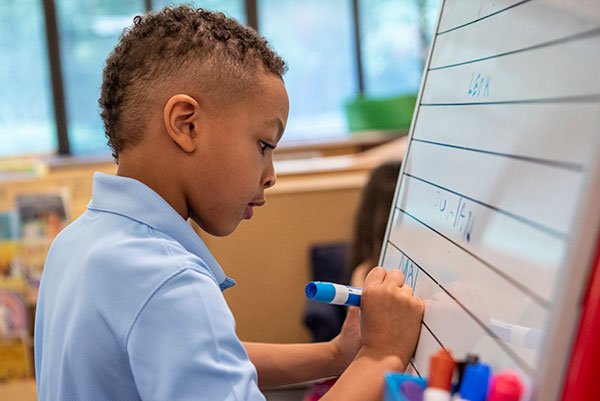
x,y
130,304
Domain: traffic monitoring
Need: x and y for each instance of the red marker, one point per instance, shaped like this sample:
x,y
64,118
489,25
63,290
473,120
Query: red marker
x,y
439,384
506,386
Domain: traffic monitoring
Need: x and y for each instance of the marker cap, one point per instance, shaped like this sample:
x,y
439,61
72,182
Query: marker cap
x,y
441,369
506,386
475,382
319,291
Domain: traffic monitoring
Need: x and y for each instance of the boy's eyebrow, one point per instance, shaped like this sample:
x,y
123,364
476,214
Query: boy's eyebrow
x,y
276,123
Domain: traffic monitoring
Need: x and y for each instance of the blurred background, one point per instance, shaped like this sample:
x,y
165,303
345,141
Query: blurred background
x,y
53,53
355,68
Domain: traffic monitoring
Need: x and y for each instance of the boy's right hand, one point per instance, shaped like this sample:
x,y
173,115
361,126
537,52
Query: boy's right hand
x,y
390,316
390,324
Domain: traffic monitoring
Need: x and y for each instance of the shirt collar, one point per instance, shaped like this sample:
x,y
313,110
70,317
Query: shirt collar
x,y
131,198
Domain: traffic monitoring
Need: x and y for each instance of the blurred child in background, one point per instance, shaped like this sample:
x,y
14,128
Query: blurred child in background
x,y
370,222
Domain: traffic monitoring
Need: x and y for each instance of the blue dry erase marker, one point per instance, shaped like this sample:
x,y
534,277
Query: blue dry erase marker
x,y
330,293
475,382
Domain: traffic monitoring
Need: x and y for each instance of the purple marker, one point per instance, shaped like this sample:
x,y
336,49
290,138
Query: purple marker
x,y
411,390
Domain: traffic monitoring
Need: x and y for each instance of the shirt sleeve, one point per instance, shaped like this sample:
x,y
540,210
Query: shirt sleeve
x,y
183,345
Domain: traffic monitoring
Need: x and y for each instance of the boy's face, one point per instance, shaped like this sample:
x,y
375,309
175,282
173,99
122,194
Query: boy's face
x,y
234,164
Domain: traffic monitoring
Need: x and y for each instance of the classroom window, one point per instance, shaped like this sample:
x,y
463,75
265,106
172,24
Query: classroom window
x,y
26,114
88,31
395,38
315,38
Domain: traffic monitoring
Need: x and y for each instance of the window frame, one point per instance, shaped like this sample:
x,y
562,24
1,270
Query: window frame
x,y
56,73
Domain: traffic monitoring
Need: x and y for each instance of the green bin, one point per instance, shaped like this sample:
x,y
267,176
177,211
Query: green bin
x,y
393,113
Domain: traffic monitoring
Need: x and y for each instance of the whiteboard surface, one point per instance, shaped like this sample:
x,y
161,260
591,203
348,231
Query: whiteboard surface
x,y
496,208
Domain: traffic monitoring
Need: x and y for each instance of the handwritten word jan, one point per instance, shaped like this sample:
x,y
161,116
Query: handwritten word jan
x,y
479,85
460,218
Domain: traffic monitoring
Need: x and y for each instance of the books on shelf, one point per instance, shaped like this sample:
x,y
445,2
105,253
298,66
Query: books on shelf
x,y
42,215
26,233
9,225
13,311
15,354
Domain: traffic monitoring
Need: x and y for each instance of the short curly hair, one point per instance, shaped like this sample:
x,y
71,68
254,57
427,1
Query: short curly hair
x,y
201,48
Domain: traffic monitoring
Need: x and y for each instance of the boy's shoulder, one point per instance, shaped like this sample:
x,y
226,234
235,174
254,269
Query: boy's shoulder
x,y
128,227
121,244
111,257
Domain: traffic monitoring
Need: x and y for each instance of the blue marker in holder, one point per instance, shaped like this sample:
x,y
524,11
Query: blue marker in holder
x,y
474,385
331,293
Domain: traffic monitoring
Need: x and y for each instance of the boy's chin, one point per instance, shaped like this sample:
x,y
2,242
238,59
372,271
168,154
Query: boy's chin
x,y
218,230
223,232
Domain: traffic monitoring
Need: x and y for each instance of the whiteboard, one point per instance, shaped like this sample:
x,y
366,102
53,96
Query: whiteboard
x,y
497,206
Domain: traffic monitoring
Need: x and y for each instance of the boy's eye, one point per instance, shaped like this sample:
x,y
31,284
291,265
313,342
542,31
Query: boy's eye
x,y
264,146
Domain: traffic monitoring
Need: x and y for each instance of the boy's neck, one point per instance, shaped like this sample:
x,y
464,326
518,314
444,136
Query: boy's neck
x,y
155,176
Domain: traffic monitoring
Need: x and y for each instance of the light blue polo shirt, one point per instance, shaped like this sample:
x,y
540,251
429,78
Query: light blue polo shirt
x,y
130,307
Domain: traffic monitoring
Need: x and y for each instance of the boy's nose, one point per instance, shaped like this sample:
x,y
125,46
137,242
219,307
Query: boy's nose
x,y
269,181
269,178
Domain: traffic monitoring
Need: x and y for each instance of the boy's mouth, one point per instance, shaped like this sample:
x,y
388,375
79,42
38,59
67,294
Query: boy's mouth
x,y
249,212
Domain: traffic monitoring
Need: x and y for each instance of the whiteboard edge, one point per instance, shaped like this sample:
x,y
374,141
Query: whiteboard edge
x,y
410,136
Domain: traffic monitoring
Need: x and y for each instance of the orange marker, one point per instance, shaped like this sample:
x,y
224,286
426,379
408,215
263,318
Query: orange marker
x,y
441,370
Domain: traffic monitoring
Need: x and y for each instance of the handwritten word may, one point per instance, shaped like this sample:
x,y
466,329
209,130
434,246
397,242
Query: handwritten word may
x,y
410,271
479,85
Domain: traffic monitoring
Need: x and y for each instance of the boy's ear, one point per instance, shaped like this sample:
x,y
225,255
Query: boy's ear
x,y
181,117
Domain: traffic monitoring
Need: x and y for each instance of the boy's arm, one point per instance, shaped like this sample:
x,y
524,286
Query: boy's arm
x,y
280,364
390,322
